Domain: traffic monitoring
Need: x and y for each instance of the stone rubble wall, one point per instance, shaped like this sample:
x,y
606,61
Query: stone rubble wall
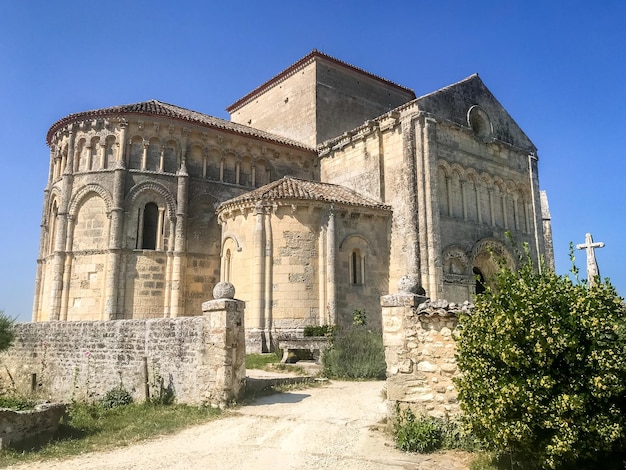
x,y
420,353
201,359
29,427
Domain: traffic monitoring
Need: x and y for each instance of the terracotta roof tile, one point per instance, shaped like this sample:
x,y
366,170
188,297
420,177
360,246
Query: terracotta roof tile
x,y
158,108
289,187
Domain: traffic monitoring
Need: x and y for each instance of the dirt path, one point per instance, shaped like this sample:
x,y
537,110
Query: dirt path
x,y
327,427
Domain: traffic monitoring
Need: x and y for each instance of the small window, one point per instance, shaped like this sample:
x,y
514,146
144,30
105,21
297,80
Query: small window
x,y
356,268
150,226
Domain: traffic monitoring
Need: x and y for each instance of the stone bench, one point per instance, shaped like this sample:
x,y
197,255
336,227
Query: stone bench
x,y
315,344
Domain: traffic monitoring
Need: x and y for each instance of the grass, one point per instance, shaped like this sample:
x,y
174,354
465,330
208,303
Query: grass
x,y
260,361
94,428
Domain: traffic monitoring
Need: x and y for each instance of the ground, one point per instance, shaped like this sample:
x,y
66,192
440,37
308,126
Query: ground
x,y
335,426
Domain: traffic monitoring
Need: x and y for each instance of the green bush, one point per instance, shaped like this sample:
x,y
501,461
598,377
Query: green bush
x,y
355,353
426,434
117,396
6,331
416,434
543,362
16,403
319,330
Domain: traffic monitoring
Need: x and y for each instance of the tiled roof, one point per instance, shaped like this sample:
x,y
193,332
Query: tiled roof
x,y
292,188
158,108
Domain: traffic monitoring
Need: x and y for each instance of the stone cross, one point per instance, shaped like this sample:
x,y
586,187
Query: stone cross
x,y
592,265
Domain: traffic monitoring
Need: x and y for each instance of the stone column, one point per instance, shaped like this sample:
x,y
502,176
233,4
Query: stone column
x,y
67,272
176,308
256,340
412,215
269,253
112,283
228,345
144,155
161,157
431,207
102,155
43,237
331,263
58,263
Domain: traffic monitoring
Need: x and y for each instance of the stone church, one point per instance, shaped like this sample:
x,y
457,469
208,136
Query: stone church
x,y
327,185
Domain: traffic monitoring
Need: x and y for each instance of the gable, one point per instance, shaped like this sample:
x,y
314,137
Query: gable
x,y
454,102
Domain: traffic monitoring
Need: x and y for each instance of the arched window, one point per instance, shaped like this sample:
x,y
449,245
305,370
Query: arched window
x,y
357,273
150,227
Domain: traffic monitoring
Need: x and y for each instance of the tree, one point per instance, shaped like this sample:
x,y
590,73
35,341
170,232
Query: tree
x,y
543,368
6,331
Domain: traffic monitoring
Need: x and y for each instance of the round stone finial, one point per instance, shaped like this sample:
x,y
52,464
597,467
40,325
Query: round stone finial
x,y
224,290
409,284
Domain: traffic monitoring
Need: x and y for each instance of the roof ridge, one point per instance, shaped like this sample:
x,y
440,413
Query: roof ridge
x,y
291,187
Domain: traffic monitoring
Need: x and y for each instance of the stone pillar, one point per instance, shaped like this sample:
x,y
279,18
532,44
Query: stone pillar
x,y
331,263
269,254
179,242
431,204
228,344
144,155
111,307
58,263
257,316
67,271
420,350
43,237
411,218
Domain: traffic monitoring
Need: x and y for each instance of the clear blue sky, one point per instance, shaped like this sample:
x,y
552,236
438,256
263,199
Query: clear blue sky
x,y
558,67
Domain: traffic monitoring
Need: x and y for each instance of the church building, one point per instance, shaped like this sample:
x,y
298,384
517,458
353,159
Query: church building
x,y
327,185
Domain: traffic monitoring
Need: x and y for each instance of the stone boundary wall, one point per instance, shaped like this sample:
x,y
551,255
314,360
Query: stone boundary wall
x,y
420,353
29,427
201,359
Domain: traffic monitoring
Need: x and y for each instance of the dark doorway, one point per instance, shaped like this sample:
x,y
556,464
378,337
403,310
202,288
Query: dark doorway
x,y
480,281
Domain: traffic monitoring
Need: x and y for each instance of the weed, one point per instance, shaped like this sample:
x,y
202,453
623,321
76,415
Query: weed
x,y
117,396
356,353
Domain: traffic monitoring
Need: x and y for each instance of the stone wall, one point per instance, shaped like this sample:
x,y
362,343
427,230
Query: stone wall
x,y
420,352
202,359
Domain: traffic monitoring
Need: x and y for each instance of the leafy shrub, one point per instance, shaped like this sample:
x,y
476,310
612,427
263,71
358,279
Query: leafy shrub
x,y
115,397
416,434
426,434
319,330
6,331
356,353
16,403
543,363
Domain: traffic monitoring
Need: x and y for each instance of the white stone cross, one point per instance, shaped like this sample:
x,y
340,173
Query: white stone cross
x,y
592,265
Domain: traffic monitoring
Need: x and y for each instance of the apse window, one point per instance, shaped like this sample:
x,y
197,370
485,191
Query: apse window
x,y
357,273
150,226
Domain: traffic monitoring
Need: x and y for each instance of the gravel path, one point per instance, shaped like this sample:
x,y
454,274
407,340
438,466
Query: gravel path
x,y
329,427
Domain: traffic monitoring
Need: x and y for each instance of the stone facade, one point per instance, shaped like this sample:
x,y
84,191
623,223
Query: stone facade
x,y
420,350
201,359
149,205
